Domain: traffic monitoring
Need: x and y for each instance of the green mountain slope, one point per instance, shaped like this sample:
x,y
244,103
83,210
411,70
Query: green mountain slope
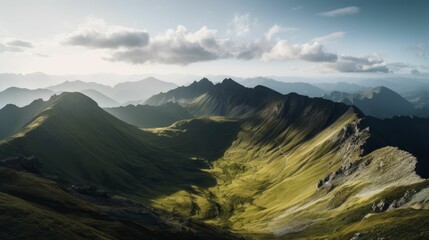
x,y
146,116
301,168
13,118
79,141
182,94
35,207
267,166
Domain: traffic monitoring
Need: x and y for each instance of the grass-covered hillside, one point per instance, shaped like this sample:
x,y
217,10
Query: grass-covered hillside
x,y
79,141
35,207
261,164
147,116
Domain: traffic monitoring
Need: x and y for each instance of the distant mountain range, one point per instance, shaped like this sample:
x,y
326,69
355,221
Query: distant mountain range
x,y
122,92
21,96
252,161
301,88
146,116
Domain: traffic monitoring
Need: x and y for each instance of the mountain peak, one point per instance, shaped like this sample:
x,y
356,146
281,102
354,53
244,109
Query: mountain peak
x,y
203,83
72,99
229,83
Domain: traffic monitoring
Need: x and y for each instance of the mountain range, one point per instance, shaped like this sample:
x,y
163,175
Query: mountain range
x,y
121,93
301,88
251,161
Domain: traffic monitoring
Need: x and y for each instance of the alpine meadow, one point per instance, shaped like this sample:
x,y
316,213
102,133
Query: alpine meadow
x,y
243,119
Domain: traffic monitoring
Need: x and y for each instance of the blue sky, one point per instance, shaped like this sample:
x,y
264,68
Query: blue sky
x,y
243,38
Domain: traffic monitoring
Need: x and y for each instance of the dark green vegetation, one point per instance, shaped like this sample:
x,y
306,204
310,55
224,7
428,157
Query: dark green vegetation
x,y
34,207
79,141
146,116
182,94
253,161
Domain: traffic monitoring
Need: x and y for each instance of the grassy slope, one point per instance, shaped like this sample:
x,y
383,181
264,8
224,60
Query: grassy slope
x,y
13,118
266,179
146,116
262,179
75,139
33,207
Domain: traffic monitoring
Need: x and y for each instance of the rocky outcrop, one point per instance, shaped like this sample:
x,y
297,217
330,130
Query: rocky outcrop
x,y
390,204
90,190
27,164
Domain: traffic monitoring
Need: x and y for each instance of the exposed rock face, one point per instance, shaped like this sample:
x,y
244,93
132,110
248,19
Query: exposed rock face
x,y
91,191
391,204
27,164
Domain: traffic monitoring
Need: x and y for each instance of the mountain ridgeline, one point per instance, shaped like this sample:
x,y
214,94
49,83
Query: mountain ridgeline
x,y
249,160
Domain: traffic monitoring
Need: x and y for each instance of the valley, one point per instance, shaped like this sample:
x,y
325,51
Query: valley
x,y
250,160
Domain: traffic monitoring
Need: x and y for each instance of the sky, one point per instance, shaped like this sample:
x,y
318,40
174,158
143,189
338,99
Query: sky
x,y
243,38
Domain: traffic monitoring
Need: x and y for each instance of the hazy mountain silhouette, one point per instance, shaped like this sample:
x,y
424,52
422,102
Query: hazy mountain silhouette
x,y
378,102
22,96
301,88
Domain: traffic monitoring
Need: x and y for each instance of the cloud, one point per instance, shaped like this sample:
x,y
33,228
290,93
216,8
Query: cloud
x,y
332,37
41,55
6,48
312,52
240,25
296,8
96,34
14,45
420,50
181,46
252,50
415,72
275,29
177,46
20,43
367,63
340,12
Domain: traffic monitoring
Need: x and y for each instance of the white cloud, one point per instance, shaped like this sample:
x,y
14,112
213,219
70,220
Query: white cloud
x,y
296,8
14,45
177,46
340,12
96,34
181,46
20,43
275,29
367,63
332,37
240,25
312,52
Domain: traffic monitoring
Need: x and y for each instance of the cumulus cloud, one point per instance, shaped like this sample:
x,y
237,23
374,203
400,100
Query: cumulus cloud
x,y
367,63
14,45
332,37
20,43
96,34
312,52
240,25
340,12
177,46
275,29
182,47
